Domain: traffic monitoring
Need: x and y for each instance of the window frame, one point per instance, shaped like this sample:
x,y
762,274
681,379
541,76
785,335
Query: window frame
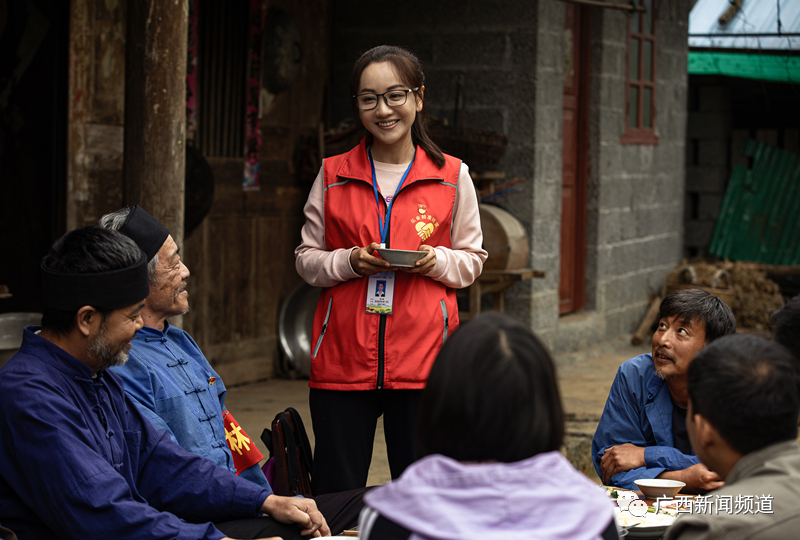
x,y
641,134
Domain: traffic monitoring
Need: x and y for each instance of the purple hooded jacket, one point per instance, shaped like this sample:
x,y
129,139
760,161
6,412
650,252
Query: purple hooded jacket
x,y
539,497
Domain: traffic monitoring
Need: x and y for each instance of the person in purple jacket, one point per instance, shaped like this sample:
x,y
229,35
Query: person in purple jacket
x,y
77,458
490,428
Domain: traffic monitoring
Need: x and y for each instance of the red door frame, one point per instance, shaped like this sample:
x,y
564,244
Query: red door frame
x,y
572,299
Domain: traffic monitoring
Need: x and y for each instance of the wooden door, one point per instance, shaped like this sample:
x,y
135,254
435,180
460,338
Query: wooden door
x,y
574,160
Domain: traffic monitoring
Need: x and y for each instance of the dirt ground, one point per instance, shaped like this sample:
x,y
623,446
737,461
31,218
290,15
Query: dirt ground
x,y
584,378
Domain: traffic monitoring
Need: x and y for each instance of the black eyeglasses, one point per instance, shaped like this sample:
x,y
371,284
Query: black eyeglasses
x,y
393,98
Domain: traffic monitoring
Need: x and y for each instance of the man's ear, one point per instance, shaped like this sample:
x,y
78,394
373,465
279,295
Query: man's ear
x,y
706,434
87,319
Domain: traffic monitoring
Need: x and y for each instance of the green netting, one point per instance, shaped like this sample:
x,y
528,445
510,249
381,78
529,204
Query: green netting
x,y
766,67
759,219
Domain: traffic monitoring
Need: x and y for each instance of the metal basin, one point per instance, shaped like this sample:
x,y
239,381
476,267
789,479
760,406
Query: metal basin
x,y
294,330
11,325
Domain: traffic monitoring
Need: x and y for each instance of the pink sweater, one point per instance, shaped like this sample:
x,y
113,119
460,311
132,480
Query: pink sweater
x,y
456,267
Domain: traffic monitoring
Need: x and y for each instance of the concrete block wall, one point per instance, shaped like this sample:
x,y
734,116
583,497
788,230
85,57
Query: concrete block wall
x,y
510,56
636,201
708,146
539,209
493,48
487,45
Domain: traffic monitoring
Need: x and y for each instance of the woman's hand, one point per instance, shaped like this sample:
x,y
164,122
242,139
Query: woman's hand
x,y
365,263
425,264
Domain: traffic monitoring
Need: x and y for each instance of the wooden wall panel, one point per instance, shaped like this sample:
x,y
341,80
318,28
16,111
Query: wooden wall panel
x,y
242,256
222,43
109,63
217,273
245,265
95,110
192,256
241,280
269,284
243,361
80,60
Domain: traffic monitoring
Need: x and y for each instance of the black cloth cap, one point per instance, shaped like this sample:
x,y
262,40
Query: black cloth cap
x,y
104,290
148,233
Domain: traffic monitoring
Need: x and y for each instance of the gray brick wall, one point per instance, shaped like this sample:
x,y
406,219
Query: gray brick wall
x,y
708,135
636,196
509,54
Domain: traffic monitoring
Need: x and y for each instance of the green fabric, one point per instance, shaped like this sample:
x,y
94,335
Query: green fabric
x,y
765,67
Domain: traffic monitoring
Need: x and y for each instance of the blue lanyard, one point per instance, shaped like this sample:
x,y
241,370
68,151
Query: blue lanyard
x,y
385,226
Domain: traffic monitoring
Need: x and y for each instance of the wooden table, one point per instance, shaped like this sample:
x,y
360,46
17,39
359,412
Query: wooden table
x,y
494,282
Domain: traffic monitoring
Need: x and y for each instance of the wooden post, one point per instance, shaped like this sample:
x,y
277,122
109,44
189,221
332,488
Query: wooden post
x,y
647,323
155,110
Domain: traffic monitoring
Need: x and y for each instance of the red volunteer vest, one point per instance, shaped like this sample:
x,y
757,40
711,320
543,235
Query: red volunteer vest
x,y
355,350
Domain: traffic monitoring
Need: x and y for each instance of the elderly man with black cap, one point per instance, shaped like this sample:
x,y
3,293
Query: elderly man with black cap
x,y
77,458
172,382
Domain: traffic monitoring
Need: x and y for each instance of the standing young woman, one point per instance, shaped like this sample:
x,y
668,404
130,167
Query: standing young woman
x,y
395,188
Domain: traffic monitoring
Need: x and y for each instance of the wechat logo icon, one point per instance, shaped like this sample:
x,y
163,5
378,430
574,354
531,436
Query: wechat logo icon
x,y
628,501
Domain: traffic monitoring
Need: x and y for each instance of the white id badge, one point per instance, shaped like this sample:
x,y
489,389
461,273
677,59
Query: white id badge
x,y
380,293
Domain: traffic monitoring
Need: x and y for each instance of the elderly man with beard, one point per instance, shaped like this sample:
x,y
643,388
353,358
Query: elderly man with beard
x,y
77,458
175,387
642,433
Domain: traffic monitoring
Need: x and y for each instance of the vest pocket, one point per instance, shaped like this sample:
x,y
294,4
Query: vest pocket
x,y
324,328
446,321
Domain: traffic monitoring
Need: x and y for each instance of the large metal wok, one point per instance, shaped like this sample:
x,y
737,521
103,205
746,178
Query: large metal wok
x,y
294,331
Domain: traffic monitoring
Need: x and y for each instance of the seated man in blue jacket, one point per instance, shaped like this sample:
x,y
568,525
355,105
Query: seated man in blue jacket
x,y
175,387
642,433
77,458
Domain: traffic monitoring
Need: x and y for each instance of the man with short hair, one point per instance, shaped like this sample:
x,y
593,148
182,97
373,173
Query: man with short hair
x,y
77,458
742,421
642,432
175,387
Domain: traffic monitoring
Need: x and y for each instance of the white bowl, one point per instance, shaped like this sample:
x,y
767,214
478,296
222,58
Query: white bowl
x,y
658,487
401,257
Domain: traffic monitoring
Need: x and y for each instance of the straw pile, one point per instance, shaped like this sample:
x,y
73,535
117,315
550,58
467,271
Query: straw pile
x,y
755,295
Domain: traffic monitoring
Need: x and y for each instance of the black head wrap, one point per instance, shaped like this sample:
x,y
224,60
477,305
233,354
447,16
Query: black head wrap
x,y
148,233
103,290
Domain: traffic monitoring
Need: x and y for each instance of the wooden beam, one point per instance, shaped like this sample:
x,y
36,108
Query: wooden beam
x,y
781,270
81,32
511,275
155,110
647,322
599,3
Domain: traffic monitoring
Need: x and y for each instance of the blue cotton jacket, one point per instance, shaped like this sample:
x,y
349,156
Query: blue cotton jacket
x,y
78,459
639,411
175,387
